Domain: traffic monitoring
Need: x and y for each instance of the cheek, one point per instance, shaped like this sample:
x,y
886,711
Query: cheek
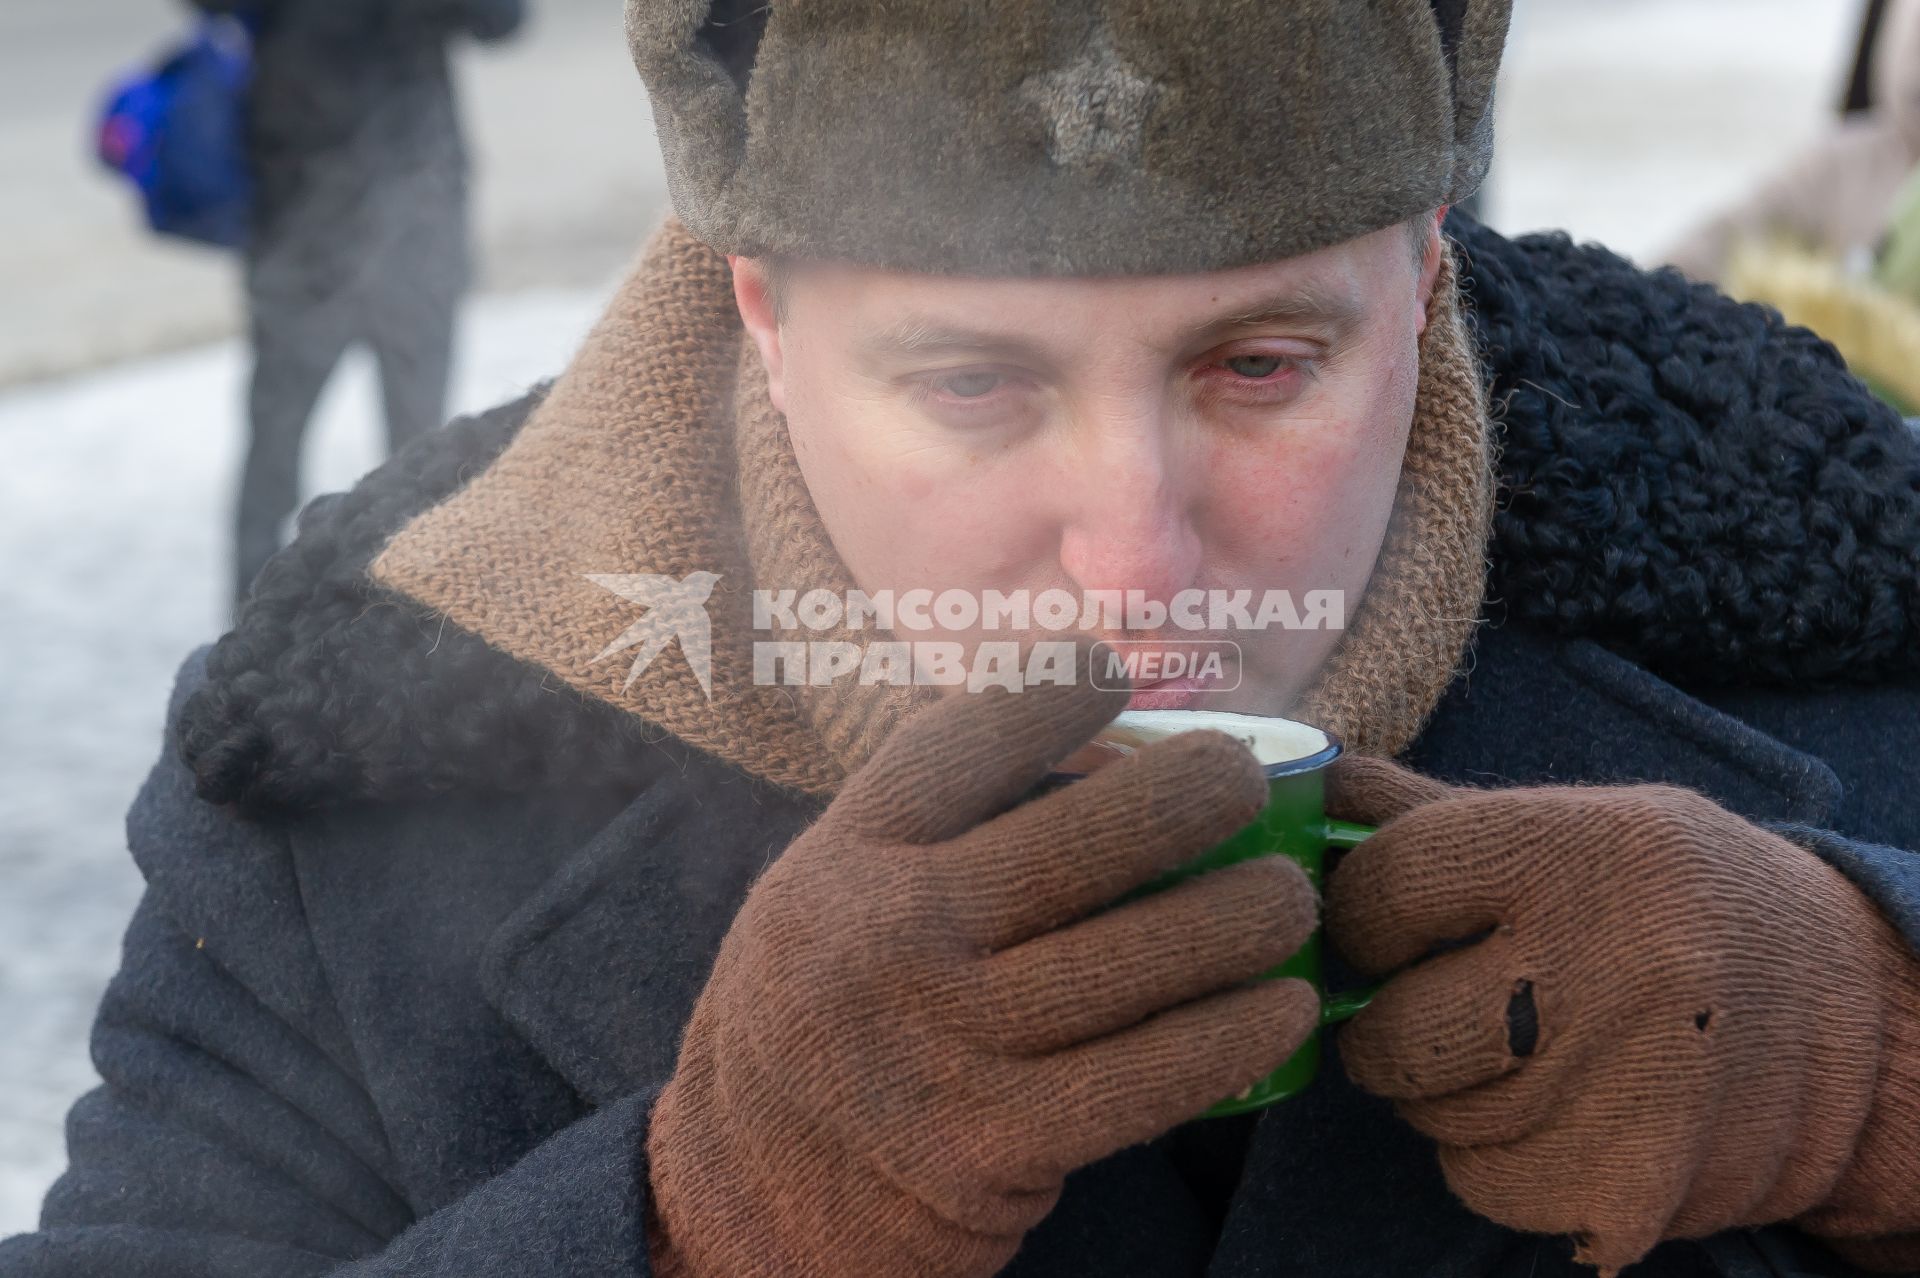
x,y
1281,493
1315,497
903,510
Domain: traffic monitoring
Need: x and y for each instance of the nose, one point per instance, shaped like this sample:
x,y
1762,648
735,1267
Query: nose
x,y
1130,521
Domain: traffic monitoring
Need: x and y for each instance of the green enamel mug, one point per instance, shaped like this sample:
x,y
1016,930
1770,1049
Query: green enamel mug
x,y
1293,824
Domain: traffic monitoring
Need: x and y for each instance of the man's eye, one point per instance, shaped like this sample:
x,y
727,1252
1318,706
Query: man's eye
x,y
969,385
1257,366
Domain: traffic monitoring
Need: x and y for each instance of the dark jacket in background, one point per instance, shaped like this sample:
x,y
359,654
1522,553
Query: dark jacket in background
x,y
407,1015
355,139
360,223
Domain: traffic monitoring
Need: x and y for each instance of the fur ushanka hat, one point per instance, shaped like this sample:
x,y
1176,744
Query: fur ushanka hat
x,y
1065,137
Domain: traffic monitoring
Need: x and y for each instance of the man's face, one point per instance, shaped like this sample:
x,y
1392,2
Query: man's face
x,y
1231,431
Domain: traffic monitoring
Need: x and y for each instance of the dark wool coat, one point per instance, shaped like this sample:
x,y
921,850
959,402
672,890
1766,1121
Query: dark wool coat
x,y
423,927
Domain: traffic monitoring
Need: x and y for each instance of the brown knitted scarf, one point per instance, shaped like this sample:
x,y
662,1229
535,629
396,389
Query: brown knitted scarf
x,y
658,454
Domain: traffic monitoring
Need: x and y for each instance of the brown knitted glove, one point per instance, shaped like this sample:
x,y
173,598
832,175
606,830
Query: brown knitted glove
x,y
913,1032
1671,1022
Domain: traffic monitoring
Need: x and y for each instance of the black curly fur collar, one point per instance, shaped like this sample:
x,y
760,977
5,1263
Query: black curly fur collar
x,y
1685,480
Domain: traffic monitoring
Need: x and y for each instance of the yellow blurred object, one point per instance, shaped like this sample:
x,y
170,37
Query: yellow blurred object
x,y
1875,330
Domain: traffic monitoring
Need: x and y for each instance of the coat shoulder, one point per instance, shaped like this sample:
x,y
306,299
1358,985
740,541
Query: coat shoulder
x,y
222,884
331,687
1687,479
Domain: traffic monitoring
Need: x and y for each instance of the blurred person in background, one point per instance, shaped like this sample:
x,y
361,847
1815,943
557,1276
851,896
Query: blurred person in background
x,y
1836,197
1832,238
360,229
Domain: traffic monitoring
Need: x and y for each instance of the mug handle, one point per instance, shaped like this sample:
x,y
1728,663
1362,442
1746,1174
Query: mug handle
x,y
1349,1003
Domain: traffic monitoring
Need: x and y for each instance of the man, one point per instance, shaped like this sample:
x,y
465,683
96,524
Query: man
x,y
360,222
504,919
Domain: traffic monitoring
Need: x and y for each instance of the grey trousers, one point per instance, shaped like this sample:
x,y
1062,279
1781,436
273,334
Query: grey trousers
x,y
296,347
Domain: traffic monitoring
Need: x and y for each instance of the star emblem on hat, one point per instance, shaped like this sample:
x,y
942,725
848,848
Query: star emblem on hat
x,y
1095,107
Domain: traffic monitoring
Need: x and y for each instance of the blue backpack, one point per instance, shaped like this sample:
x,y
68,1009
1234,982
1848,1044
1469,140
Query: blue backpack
x,y
177,131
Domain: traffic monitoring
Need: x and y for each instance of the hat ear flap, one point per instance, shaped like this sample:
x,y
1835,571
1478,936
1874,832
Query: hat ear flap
x,y
1451,17
696,57
1473,34
731,36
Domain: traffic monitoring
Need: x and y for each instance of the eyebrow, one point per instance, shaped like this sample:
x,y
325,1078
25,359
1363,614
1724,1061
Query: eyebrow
x,y
917,336
1309,304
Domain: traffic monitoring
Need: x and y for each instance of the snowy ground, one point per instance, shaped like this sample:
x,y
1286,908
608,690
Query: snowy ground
x,y
113,527
1620,119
